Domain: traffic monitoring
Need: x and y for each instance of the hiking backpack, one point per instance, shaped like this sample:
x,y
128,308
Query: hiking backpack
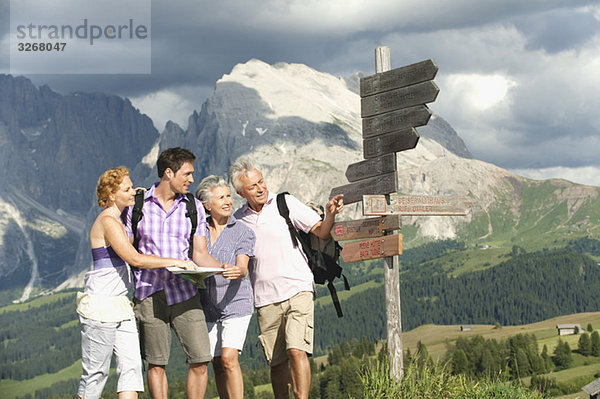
x,y
322,255
136,216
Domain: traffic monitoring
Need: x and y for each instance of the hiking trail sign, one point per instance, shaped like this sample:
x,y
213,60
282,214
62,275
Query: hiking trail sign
x,y
371,167
400,77
400,140
403,97
373,248
365,228
395,120
392,105
381,184
394,204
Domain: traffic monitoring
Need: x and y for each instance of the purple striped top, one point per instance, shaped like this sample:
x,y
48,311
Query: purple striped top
x,y
165,234
223,298
110,274
106,257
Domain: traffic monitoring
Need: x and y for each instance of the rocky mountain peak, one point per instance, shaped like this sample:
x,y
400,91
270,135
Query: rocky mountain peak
x,y
301,127
46,137
292,90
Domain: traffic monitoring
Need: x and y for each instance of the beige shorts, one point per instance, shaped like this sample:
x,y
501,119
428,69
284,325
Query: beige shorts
x,y
155,319
287,325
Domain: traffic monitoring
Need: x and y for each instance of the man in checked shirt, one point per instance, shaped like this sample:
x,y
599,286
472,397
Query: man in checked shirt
x,y
162,299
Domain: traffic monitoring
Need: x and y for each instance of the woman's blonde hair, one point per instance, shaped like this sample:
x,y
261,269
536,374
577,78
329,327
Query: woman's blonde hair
x,y
108,184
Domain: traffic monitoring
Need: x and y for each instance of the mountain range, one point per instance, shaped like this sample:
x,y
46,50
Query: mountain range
x,y
302,128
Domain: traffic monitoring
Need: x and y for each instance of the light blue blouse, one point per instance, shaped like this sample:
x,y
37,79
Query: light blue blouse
x,y
223,298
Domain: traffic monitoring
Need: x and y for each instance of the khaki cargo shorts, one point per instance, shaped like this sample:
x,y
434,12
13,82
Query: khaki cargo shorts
x,y
287,325
155,319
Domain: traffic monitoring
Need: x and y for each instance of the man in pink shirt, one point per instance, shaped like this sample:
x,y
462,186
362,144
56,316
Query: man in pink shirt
x,y
281,277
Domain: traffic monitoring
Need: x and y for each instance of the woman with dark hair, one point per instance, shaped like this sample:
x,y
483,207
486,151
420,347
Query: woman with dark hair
x,y
227,299
107,320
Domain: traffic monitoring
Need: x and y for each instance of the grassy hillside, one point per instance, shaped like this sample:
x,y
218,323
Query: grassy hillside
x,y
436,337
584,370
52,321
535,215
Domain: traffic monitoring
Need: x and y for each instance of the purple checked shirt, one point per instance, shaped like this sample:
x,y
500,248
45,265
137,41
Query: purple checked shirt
x,y
165,234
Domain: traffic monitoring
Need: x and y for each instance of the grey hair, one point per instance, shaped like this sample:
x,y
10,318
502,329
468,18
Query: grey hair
x,y
203,192
238,169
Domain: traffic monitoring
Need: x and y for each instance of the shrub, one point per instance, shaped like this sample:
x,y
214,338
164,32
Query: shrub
x,y
435,381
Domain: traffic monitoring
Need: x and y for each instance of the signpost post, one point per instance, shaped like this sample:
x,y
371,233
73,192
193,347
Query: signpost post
x,y
391,270
392,105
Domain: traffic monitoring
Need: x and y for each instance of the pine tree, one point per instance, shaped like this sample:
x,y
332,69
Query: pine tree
x,y
584,345
595,338
523,364
460,363
562,355
487,363
547,360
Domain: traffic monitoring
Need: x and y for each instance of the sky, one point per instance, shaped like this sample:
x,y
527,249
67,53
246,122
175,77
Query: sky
x,y
519,80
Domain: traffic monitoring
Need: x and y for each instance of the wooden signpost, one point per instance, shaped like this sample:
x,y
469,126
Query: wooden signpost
x,y
405,139
374,205
403,97
365,228
395,120
392,105
374,248
400,77
353,192
371,167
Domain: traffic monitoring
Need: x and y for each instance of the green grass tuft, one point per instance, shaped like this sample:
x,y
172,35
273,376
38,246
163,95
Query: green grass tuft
x,y
435,381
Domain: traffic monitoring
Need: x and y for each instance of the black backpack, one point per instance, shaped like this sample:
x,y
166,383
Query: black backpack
x,y
136,216
322,254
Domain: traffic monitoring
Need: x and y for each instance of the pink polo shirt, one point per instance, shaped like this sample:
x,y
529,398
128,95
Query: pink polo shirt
x,y
278,271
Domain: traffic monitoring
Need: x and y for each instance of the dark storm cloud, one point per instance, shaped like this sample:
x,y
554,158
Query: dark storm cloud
x,y
558,30
545,52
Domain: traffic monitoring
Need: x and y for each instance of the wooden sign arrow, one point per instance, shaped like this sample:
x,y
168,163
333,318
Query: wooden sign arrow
x,y
400,140
395,120
404,97
399,77
374,205
354,192
371,167
365,228
374,248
